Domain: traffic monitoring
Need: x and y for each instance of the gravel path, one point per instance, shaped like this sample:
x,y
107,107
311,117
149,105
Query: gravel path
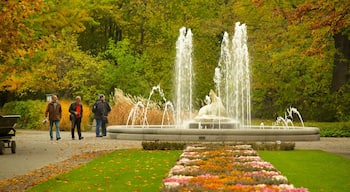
x,y
35,151
340,146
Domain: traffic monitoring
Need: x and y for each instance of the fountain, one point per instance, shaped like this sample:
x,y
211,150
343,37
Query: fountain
x,y
232,82
288,119
226,115
183,78
134,114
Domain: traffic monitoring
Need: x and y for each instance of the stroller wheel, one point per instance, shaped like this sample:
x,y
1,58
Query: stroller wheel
x,y
13,146
2,147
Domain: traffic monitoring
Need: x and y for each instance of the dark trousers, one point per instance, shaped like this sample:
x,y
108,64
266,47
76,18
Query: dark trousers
x,y
76,123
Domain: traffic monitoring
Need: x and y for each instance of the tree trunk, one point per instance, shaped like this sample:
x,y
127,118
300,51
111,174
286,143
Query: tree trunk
x,y
341,61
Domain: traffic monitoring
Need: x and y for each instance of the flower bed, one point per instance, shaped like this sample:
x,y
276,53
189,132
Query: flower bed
x,y
225,168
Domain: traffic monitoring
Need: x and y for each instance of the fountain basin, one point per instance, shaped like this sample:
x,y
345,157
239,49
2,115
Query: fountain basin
x,y
254,133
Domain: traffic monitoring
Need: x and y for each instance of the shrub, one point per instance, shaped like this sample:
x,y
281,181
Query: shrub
x,y
332,129
31,111
266,146
148,145
273,146
342,130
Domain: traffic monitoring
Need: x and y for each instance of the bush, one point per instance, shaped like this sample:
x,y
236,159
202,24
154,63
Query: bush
x,y
273,146
266,146
332,129
163,145
342,130
31,111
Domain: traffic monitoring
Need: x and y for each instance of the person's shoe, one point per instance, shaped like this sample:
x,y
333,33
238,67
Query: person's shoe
x,y
98,135
51,138
104,135
58,138
73,138
81,138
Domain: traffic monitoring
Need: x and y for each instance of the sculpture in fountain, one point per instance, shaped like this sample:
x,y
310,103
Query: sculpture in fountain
x,y
212,111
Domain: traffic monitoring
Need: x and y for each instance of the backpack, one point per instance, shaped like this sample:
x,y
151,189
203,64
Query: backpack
x,y
94,108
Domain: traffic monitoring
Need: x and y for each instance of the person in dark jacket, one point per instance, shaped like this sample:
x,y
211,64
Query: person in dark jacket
x,y
101,109
54,114
76,114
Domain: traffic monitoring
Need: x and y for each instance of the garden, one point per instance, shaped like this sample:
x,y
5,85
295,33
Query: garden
x,y
298,55
225,168
206,167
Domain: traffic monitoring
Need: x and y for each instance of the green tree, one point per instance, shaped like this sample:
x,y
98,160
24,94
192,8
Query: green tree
x,y
129,74
68,71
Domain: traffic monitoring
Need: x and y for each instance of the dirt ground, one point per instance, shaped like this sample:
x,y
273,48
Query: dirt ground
x,y
37,157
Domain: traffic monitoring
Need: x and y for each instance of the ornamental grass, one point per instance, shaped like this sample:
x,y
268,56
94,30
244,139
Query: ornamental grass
x,y
225,168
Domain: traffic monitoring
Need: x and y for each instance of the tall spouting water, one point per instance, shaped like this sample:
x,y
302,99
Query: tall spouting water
x,y
183,77
233,81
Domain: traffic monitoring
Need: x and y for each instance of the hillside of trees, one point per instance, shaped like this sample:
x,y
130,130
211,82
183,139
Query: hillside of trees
x,y
299,50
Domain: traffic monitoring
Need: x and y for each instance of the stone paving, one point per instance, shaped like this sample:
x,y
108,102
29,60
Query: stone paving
x,y
35,150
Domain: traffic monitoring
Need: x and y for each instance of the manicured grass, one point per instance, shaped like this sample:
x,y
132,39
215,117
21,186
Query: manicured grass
x,y
122,170
139,170
315,170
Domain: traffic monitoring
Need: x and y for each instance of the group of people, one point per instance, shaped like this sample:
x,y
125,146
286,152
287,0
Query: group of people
x,y
54,114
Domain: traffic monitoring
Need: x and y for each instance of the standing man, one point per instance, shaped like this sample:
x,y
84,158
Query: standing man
x,y
54,114
101,109
76,114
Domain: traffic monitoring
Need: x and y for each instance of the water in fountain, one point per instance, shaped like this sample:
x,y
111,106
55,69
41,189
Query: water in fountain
x,y
169,113
288,119
161,93
183,78
136,113
293,110
232,76
232,79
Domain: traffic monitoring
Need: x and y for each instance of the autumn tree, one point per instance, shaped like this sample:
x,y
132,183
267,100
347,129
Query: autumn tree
x,y
18,39
328,19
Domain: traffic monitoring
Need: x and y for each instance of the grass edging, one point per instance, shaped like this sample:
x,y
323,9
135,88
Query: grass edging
x,y
121,170
314,169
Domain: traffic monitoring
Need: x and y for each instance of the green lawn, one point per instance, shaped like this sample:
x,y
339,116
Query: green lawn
x,y
139,170
315,170
122,170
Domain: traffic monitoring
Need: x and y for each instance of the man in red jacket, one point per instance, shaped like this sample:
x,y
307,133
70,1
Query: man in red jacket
x,y
76,114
